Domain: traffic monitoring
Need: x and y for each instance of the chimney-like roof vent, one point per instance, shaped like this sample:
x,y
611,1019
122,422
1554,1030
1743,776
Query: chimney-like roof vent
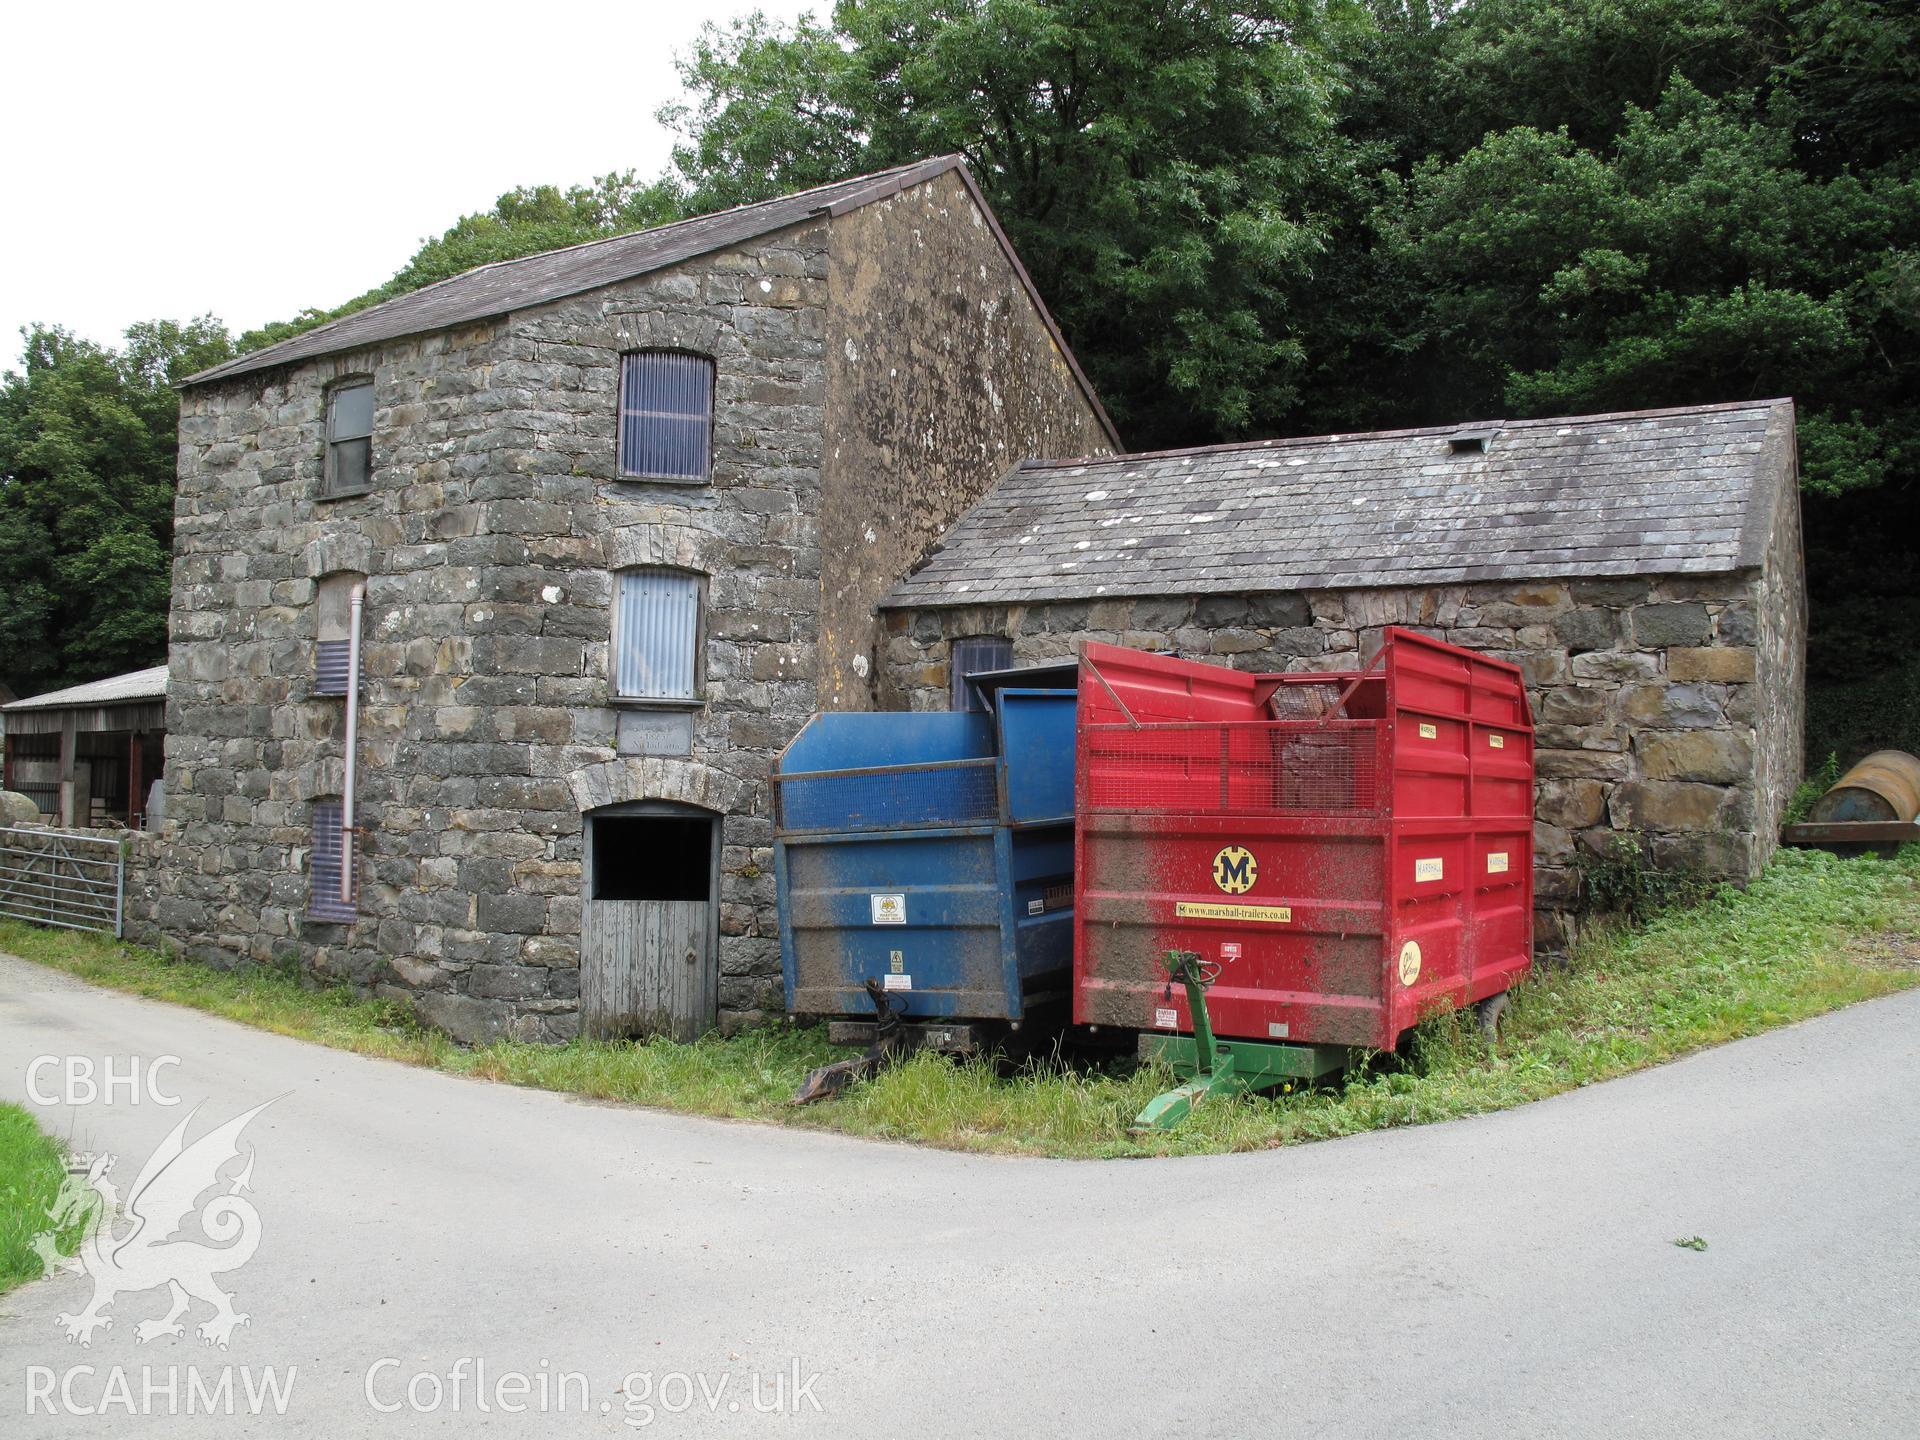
x,y
1472,442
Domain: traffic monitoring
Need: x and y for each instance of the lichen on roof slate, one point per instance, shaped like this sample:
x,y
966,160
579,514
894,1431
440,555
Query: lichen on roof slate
x,y
1685,491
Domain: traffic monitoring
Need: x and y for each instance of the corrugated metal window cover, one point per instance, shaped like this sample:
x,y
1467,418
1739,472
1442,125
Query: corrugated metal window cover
x,y
330,673
666,415
975,656
657,634
323,901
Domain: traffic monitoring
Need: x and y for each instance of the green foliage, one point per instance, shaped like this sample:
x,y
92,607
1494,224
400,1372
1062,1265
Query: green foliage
x,y
1808,792
1691,260
522,222
1276,218
1877,712
1812,933
1850,83
1585,66
32,1173
1623,880
1863,643
87,444
1165,171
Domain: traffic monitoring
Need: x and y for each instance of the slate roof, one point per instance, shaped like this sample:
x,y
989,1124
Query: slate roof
x,y
509,285
1686,491
137,685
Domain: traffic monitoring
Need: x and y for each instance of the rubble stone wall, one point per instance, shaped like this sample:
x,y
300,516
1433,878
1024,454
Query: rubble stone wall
x,y
489,542
1648,712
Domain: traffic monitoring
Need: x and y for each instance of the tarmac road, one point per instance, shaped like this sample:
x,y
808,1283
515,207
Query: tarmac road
x,y
1508,1275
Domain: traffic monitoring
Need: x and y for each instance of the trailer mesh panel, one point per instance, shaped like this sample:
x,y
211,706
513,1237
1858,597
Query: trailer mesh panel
x,y
953,793
1241,768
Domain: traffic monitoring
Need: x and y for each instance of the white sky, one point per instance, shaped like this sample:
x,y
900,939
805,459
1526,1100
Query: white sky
x,y
167,160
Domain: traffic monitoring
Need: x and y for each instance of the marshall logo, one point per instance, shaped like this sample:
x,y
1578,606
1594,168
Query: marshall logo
x,y
1235,870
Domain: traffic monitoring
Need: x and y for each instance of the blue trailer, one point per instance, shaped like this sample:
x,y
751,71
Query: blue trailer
x,y
931,854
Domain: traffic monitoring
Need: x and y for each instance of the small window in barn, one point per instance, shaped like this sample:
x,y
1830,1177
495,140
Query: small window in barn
x,y
652,857
349,467
976,655
666,415
334,625
324,900
657,634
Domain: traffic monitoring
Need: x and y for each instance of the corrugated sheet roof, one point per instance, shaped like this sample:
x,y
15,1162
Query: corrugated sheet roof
x,y
137,685
1685,491
508,285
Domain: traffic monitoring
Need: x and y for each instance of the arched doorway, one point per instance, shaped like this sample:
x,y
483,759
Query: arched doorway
x,y
649,927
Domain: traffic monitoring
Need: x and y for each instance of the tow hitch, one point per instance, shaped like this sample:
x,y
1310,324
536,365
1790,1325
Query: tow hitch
x,y
1219,1067
829,1080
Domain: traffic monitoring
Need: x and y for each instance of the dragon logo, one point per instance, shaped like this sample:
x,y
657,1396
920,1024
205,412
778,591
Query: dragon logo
x,y
135,1251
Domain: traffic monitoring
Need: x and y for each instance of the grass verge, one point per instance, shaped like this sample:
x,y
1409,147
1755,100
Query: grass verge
x,y
32,1171
1813,933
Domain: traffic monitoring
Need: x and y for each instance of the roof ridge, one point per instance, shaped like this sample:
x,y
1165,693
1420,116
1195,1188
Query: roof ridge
x,y
887,180
889,173
1347,436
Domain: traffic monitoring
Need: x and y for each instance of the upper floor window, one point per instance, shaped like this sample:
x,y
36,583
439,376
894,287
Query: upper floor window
x,y
975,655
656,634
666,415
333,628
349,467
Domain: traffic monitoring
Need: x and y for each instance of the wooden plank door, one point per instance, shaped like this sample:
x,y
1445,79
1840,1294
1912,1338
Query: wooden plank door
x,y
648,962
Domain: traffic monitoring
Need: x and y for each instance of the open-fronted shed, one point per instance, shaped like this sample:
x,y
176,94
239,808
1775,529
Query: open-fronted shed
x,y
89,752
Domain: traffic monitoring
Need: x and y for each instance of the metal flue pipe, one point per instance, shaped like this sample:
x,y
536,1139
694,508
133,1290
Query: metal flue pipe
x,y
356,607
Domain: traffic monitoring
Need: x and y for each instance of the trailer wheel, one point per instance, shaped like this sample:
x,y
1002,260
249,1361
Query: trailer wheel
x,y
1491,1015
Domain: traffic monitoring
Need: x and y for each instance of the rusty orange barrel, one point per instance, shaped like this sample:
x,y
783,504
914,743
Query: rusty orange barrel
x,y
1884,786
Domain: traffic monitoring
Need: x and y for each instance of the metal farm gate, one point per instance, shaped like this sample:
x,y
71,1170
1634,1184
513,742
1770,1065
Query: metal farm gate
x,y
56,877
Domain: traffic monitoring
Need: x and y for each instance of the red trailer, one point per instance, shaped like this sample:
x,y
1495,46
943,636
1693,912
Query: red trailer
x,y
1343,852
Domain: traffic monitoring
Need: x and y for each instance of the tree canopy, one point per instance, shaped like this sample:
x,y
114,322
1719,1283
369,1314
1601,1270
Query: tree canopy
x,y
1166,170
1260,218
522,222
86,500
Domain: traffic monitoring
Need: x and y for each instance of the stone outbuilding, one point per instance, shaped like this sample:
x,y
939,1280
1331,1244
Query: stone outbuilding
x,y
1644,569
598,529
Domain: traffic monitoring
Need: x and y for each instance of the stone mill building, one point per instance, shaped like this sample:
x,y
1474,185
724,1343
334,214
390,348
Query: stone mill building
x,y
597,529
1645,570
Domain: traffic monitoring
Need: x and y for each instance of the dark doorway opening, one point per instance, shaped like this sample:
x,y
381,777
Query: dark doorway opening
x,y
652,857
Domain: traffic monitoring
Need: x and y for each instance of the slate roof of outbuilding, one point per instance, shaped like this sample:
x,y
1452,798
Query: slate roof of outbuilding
x,y
1685,491
487,291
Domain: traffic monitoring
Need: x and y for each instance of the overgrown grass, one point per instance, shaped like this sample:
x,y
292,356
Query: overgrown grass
x,y
32,1170
1813,933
